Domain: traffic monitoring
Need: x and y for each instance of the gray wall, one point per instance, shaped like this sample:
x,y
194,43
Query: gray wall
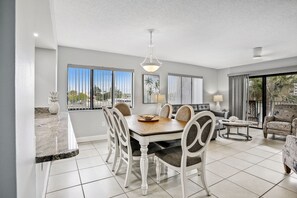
x,y
45,75
261,68
91,123
7,103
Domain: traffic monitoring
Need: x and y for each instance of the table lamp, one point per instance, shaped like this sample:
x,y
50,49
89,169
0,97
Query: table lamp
x,y
218,99
160,99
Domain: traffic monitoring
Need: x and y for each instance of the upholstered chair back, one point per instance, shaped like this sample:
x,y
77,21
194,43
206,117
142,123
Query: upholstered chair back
x,y
197,134
123,108
166,111
184,113
285,112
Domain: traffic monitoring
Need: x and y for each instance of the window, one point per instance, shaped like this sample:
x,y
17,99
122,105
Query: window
x,y
107,86
123,87
184,89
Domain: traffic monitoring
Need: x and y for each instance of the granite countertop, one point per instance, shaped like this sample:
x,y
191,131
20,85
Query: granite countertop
x,y
55,137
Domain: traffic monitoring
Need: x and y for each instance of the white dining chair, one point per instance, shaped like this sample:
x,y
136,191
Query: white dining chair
x,y
192,152
166,111
123,108
113,144
184,113
129,147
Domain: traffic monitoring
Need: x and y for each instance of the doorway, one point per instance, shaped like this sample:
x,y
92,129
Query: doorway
x,y
267,91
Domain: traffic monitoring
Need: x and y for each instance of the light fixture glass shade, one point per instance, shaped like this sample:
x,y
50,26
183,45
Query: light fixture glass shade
x,y
218,98
151,62
150,67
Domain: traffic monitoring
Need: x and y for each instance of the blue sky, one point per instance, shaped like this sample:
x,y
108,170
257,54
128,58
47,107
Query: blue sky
x,y
79,80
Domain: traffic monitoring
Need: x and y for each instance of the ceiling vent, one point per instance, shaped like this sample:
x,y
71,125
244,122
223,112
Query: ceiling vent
x,y
257,53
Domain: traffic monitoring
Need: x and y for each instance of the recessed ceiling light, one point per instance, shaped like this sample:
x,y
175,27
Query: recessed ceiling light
x,y
35,34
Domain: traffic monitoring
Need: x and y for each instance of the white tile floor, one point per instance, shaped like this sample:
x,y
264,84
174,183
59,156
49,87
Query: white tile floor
x,y
234,169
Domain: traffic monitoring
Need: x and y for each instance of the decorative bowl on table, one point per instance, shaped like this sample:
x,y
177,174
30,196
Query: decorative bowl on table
x,y
148,118
233,119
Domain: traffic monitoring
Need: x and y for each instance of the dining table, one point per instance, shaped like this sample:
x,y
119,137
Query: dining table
x,y
162,129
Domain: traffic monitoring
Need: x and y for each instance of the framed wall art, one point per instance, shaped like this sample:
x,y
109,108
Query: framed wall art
x,y
150,88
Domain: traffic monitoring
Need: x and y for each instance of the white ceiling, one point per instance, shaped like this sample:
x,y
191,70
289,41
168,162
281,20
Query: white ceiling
x,y
44,25
212,33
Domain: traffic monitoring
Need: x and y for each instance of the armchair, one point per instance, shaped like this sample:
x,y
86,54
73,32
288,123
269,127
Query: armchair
x,y
283,121
290,154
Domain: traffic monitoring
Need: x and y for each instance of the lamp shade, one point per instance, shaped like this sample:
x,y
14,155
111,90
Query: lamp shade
x,y
218,98
160,98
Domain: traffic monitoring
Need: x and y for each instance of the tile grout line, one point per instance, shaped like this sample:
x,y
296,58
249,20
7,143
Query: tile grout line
x,y
112,175
81,185
215,160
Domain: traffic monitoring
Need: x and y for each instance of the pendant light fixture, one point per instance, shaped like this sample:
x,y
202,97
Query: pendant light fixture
x,y
151,62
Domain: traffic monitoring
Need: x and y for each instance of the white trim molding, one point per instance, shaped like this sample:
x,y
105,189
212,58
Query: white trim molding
x,y
91,138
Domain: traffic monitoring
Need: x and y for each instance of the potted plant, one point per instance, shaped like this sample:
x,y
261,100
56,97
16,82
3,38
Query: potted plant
x,y
54,105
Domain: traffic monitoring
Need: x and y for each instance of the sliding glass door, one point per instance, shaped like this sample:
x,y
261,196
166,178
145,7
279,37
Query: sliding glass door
x,y
255,108
280,89
267,91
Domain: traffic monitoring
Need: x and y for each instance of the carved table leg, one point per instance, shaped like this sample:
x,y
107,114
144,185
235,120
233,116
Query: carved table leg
x,y
144,168
248,133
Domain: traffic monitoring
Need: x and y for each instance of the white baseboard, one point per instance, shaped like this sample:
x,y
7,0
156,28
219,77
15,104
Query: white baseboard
x,y
91,138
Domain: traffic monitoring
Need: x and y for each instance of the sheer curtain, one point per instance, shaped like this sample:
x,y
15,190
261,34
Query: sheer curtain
x,y
238,95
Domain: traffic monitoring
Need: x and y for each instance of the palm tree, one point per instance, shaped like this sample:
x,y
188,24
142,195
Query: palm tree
x,y
157,86
150,92
278,88
255,89
149,82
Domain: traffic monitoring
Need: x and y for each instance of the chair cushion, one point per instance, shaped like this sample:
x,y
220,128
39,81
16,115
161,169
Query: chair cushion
x,y
285,113
173,156
278,125
135,146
